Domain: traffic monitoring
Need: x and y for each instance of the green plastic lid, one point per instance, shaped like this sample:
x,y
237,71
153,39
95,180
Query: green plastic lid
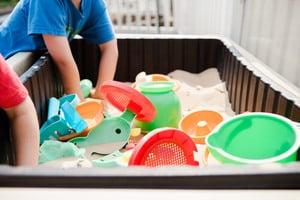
x,y
157,86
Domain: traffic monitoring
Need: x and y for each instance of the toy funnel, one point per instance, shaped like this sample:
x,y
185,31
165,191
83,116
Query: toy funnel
x,y
199,124
113,133
255,138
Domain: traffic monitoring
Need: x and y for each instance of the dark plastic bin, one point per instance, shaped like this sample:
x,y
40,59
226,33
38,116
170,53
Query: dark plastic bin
x,y
250,88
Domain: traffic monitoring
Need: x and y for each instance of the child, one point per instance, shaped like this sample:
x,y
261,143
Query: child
x,y
20,110
39,24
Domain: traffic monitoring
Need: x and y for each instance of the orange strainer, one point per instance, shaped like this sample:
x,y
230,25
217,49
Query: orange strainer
x,y
199,124
164,147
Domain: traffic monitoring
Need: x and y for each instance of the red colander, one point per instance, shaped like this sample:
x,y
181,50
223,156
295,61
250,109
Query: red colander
x,y
164,147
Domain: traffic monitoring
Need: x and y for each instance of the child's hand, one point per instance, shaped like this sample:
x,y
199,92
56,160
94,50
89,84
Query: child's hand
x,y
95,95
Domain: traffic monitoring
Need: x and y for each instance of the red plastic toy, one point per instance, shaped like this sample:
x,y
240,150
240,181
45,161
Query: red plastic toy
x,y
164,147
124,97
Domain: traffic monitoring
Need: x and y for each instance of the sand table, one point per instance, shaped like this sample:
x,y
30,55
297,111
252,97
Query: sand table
x,y
203,91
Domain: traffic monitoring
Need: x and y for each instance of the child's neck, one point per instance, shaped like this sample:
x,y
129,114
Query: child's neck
x,y
77,3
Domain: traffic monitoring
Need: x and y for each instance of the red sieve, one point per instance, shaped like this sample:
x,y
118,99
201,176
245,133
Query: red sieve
x,y
164,147
124,97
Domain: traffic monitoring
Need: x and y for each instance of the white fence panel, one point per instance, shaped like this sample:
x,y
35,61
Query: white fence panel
x,y
142,16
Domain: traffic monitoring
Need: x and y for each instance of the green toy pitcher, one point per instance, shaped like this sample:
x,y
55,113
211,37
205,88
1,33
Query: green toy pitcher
x,y
166,103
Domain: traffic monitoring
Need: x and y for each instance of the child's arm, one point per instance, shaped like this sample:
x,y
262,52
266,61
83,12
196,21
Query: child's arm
x,y
107,65
58,47
25,132
15,101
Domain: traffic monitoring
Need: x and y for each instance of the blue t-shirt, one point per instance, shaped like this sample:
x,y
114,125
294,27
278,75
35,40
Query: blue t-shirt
x,y
23,29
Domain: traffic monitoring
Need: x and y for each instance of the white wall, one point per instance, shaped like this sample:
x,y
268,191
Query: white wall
x,y
271,31
203,16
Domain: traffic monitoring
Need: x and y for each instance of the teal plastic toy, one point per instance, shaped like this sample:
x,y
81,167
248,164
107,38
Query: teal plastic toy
x,y
110,135
53,128
62,118
255,138
166,103
86,86
53,108
73,118
53,150
115,159
114,132
108,161
55,125
73,99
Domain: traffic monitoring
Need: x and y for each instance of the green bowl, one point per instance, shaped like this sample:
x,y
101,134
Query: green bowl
x,y
255,138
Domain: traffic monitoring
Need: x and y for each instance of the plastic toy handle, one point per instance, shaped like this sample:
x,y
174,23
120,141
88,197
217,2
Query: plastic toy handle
x,y
128,116
53,107
86,86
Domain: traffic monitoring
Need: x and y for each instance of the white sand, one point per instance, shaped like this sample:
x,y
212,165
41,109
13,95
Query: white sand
x,y
202,91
